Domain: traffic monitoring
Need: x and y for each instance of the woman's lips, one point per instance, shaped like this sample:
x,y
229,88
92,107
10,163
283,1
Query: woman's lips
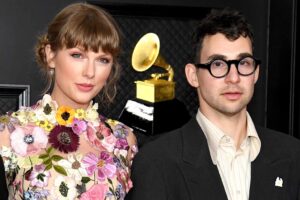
x,y
85,87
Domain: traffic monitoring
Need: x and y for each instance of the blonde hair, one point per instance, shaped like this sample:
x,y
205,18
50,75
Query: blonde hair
x,y
87,26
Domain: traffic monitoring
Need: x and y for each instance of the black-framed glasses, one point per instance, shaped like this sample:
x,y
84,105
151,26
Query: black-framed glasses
x,y
219,68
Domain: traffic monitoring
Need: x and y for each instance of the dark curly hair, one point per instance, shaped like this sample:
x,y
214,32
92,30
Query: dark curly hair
x,y
227,21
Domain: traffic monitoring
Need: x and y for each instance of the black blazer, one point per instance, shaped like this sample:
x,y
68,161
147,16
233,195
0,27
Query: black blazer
x,y
178,166
3,187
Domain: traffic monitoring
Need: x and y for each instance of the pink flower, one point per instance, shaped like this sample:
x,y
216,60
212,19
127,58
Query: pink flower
x,y
122,144
104,129
28,140
93,138
38,176
78,126
109,142
96,192
103,164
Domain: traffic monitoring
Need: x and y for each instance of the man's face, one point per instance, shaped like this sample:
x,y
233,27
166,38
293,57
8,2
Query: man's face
x,y
228,95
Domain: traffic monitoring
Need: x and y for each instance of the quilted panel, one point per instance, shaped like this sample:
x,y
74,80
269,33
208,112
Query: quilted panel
x,y
175,37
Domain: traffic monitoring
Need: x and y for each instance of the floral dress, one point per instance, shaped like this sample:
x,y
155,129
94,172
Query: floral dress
x,y
53,152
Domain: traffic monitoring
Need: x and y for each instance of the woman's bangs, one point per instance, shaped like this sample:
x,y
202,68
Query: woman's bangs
x,y
92,37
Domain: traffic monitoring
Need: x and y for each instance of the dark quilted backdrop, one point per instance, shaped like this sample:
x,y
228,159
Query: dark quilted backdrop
x,y
175,38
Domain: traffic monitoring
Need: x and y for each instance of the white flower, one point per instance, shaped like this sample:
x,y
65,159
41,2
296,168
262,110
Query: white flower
x,y
46,109
91,114
74,167
120,153
10,158
64,188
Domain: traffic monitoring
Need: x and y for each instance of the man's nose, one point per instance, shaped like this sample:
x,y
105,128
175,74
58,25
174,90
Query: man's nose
x,y
233,74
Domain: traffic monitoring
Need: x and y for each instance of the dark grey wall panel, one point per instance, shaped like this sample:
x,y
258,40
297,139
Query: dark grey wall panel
x,y
22,21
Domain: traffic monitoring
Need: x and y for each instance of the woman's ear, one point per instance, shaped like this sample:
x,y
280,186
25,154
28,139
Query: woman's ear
x,y
49,56
191,75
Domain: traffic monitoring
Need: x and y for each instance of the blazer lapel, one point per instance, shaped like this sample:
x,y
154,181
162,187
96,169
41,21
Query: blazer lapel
x,y
265,169
201,175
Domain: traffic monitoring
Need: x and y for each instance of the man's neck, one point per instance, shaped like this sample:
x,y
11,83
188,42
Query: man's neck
x,y
235,126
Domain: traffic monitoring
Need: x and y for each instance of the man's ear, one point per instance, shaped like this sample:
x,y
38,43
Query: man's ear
x,y
49,56
191,75
256,74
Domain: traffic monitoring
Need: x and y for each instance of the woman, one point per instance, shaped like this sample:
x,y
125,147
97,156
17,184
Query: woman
x,y
61,148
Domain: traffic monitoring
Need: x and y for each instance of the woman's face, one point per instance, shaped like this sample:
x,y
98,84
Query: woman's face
x,y
79,75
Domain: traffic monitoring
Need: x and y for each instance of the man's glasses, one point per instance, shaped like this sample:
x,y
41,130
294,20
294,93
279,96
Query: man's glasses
x,y
219,68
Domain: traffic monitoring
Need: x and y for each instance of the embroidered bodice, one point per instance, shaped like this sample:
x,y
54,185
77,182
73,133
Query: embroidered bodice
x,y
53,152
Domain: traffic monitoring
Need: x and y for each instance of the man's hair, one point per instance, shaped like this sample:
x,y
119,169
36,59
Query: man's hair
x,y
227,21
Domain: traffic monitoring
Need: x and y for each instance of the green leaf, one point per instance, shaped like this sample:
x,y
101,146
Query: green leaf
x,y
56,158
60,169
85,179
41,177
109,180
47,162
49,150
48,167
43,156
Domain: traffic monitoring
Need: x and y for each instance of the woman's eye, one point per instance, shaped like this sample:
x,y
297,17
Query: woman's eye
x,y
104,60
76,55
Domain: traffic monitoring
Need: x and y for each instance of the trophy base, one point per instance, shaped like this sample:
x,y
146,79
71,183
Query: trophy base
x,y
155,90
149,120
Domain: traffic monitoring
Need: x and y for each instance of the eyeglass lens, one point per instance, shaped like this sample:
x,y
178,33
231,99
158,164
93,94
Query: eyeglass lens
x,y
245,66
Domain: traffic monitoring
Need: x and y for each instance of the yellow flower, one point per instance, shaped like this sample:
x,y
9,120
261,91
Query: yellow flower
x,y
46,125
80,114
112,122
41,123
65,115
4,119
49,127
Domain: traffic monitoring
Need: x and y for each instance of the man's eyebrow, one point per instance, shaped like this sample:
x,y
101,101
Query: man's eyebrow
x,y
223,57
243,55
216,57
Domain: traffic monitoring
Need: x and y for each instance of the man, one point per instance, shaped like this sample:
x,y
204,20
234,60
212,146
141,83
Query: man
x,y
220,154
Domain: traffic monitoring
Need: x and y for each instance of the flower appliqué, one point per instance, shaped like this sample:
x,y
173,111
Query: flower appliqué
x,y
43,160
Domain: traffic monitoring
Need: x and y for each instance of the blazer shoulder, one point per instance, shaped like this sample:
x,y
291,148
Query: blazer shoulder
x,y
278,141
169,144
163,144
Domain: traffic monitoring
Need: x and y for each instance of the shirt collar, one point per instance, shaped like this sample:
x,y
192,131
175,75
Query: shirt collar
x,y
214,135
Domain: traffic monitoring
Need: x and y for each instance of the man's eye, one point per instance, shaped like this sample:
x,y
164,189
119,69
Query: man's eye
x,y
218,63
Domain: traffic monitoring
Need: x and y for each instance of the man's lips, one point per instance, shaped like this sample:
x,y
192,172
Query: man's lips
x,y
232,95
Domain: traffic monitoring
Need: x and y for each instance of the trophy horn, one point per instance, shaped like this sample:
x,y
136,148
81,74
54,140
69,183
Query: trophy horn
x,y
146,54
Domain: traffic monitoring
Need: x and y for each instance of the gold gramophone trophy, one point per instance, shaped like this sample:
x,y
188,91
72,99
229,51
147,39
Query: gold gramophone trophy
x,y
144,56
149,114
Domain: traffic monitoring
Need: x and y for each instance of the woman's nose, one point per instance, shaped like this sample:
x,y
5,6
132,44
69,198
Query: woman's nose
x,y
89,69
